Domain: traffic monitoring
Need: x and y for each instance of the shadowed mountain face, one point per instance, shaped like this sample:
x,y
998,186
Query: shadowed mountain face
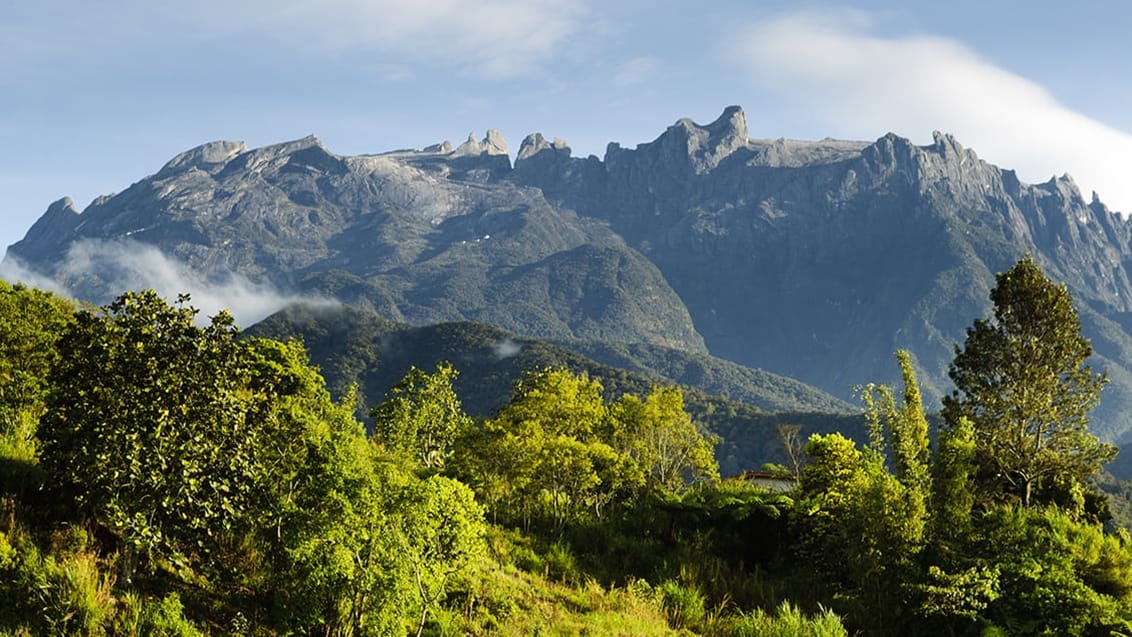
x,y
811,259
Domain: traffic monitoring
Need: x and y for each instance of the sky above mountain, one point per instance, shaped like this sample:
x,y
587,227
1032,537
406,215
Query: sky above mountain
x,y
98,95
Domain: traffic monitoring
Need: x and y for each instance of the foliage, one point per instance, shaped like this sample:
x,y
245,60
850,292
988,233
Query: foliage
x,y
198,450
347,343
907,427
683,605
953,495
660,436
857,529
1022,381
546,454
31,322
145,428
422,416
441,531
1058,575
205,480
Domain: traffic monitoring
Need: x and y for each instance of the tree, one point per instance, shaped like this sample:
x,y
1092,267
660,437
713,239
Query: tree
x,y
421,416
790,437
31,321
861,526
1022,381
548,452
441,533
907,428
660,436
144,426
855,531
953,494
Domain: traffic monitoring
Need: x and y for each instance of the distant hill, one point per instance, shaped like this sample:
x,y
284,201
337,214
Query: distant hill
x,y
811,260
356,346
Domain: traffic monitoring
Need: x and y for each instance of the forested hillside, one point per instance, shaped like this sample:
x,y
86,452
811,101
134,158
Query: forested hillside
x,y
356,347
164,474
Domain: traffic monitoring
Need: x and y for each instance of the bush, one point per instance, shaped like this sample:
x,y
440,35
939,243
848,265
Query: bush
x,y
62,594
683,605
787,622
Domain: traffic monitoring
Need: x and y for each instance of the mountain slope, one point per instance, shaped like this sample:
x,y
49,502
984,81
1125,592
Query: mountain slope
x,y
422,236
819,259
814,260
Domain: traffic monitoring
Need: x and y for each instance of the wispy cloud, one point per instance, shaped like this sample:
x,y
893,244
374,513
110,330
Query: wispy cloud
x,y
131,265
836,67
637,71
498,38
490,38
507,348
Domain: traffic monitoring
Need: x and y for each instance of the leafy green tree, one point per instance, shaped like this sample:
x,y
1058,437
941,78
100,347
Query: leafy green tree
x,y
953,490
548,454
860,526
1058,575
660,436
854,529
421,416
31,321
1022,380
143,429
907,428
332,501
442,533
213,451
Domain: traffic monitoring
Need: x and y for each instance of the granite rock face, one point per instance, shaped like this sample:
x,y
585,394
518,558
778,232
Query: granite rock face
x,y
811,259
422,236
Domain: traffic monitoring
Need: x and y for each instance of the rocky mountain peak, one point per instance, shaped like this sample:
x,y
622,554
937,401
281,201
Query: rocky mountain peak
x,y
492,144
535,143
205,157
63,206
704,146
810,234
443,148
56,226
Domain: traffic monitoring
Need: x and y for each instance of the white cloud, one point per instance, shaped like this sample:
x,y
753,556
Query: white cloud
x,y
130,265
833,66
637,71
15,271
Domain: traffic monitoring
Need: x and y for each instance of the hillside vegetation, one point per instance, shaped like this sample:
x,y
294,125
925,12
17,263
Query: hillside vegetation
x,y
160,476
356,347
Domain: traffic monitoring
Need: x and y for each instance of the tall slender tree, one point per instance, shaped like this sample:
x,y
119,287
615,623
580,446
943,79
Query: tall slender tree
x,y
1022,380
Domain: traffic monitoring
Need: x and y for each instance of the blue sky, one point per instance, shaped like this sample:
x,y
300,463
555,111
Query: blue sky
x,y
94,96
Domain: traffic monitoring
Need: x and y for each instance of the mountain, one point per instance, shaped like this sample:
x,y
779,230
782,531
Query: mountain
x,y
421,236
813,260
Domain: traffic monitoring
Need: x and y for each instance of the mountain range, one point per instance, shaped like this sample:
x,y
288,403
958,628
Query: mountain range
x,y
809,260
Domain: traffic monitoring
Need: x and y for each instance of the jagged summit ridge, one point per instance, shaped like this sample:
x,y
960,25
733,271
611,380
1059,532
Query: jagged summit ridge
x,y
815,259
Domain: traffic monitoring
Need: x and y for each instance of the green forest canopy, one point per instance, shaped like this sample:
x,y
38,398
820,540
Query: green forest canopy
x,y
160,476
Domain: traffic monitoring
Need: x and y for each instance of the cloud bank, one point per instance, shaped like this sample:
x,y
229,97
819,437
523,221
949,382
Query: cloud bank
x,y
834,66
131,265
